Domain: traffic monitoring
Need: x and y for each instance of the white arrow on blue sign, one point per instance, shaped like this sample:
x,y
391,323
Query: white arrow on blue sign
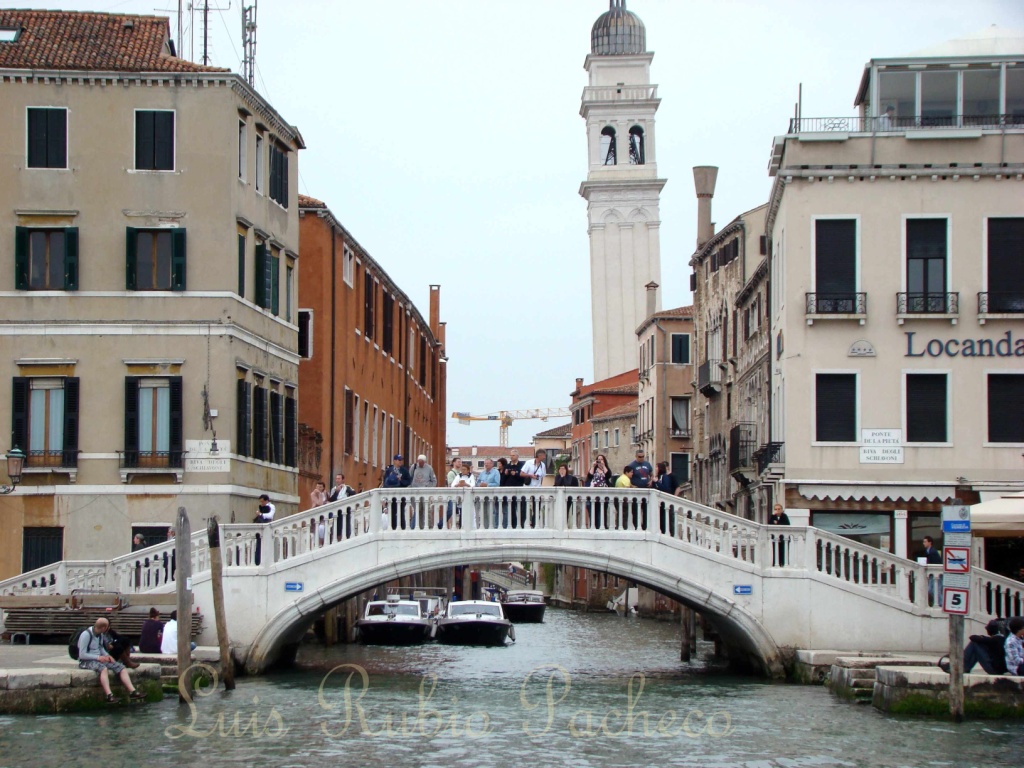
x,y
293,586
742,589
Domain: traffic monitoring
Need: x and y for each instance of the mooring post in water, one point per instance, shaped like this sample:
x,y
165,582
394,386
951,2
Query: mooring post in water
x,y
684,622
227,667
956,667
183,587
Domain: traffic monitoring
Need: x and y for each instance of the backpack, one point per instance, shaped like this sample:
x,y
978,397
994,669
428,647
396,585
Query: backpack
x,y
73,641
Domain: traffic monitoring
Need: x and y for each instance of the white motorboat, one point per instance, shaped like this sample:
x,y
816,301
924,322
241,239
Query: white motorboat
x,y
524,606
474,622
393,622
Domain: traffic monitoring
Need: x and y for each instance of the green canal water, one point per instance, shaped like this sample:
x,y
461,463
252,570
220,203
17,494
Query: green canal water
x,y
578,690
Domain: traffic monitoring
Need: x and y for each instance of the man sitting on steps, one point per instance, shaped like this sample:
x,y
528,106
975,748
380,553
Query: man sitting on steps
x,y
93,654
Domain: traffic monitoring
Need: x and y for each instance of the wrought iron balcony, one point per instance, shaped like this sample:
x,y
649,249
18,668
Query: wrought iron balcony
x,y
63,459
152,459
884,124
928,303
847,303
682,433
1001,302
709,378
741,447
768,454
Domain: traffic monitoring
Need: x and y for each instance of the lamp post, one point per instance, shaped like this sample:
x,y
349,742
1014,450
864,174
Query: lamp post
x,y
15,463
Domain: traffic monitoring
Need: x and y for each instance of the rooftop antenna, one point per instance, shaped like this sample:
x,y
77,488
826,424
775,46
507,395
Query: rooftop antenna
x,y
249,43
206,27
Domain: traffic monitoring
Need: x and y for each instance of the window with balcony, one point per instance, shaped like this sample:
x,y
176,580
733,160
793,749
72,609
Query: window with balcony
x,y
44,420
1005,278
927,409
154,140
153,422
47,137
1005,415
155,259
46,259
927,268
835,407
835,269
680,416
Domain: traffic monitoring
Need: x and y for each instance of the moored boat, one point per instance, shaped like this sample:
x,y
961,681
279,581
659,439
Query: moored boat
x,y
524,606
474,622
393,622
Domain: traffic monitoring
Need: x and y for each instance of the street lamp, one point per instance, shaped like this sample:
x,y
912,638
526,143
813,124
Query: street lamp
x,y
15,463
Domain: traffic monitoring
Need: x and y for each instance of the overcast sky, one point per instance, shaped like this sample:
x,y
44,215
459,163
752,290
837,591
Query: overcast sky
x,y
445,135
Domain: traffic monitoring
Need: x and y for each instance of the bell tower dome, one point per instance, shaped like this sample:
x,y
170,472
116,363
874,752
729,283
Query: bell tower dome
x,y
622,189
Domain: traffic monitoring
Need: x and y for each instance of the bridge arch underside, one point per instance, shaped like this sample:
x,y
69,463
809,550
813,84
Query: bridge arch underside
x,y
746,640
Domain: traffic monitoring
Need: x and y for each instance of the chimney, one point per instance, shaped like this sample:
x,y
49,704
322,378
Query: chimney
x,y
435,305
652,298
704,178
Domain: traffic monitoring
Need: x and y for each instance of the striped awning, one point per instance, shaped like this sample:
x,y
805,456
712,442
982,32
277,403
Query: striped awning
x,y
871,492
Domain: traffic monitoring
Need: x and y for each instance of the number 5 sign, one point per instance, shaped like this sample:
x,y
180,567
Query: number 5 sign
x,y
954,600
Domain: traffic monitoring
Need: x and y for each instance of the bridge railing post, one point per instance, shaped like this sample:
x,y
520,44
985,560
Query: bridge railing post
x,y
560,511
373,507
469,510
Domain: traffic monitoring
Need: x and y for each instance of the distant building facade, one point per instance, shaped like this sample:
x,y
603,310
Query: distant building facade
x,y
150,239
373,376
592,401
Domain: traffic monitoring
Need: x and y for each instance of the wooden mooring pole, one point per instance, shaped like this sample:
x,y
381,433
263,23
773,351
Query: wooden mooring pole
x,y
227,667
183,588
956,667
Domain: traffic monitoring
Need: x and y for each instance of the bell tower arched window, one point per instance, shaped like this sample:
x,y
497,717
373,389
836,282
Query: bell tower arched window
x,y
608,146
637,151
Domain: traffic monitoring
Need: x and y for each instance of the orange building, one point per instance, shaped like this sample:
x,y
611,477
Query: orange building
x,y
372,376
593,400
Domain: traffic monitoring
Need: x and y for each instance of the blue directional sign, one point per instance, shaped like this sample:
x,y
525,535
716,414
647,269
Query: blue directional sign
x,y
742,589
956,526
293,586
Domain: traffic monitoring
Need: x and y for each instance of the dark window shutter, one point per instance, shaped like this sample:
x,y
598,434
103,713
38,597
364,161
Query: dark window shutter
x,y
131,260
275,284
693,281
350,437
56,138
36,138
71,409
835,256
176,443
259,423
836,407
926,408
272,167
144,145
1006,257
131,420
241,265
163,141
305,322
178,260
284,179
71,258
276,417
21,258
764,245
291,431
19,414
1005,414
243,408
260,273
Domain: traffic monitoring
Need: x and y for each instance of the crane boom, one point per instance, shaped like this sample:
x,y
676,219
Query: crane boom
x,y
505,418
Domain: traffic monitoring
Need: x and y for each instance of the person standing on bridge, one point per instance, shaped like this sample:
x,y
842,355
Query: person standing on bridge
x,y
489,478
318,496
422,477
932,556
513,478
396,476
778,517
341,491
642,474
665,482
533,476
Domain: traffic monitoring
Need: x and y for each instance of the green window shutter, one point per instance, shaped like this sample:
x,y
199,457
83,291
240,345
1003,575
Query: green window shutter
x,y
71,258
178,260
131,260
19,414
260,272
21,258
241,266
71,399
131,421
176,442
275,282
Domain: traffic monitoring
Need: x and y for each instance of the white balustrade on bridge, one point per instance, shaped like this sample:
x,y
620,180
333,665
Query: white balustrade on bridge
x,y
801,587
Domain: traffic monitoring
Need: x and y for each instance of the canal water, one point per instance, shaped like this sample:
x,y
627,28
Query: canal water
x,y
579,690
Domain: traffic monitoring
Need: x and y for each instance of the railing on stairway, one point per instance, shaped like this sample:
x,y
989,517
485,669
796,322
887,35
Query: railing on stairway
x,y
484,513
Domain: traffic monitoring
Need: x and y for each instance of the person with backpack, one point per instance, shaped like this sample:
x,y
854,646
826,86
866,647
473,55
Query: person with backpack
x,y
92,654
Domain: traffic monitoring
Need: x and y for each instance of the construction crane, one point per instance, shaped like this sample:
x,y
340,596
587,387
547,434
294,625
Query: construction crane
x,y
505,419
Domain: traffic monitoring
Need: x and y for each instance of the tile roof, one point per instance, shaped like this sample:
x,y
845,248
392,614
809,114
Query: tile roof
x,y
686,311
625,389
565,430
620,411
305,201
104,42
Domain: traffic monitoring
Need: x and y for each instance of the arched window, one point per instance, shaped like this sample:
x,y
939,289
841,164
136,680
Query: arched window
x,y
608,145
637,151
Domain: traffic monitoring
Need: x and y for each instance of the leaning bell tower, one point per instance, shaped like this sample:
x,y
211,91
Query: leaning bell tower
x,y
622,189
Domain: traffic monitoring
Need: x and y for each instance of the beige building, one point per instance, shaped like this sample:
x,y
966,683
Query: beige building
x,y
149,217
896,242
663,418
731,410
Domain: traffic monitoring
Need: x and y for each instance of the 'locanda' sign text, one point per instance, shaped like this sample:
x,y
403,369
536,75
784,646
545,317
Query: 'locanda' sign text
x,y
1007,346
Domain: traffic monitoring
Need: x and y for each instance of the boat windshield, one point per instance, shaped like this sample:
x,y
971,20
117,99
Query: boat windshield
x,y
466,609
392,609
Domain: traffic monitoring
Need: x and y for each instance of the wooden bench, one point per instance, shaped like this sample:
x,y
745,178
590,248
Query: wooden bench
x,y
61,622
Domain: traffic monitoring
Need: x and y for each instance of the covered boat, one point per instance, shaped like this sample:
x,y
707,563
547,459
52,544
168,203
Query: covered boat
x,y
524,605
393,622
474,622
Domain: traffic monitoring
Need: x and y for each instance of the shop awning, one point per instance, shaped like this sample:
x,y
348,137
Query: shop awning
x,y
999,517
868,492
